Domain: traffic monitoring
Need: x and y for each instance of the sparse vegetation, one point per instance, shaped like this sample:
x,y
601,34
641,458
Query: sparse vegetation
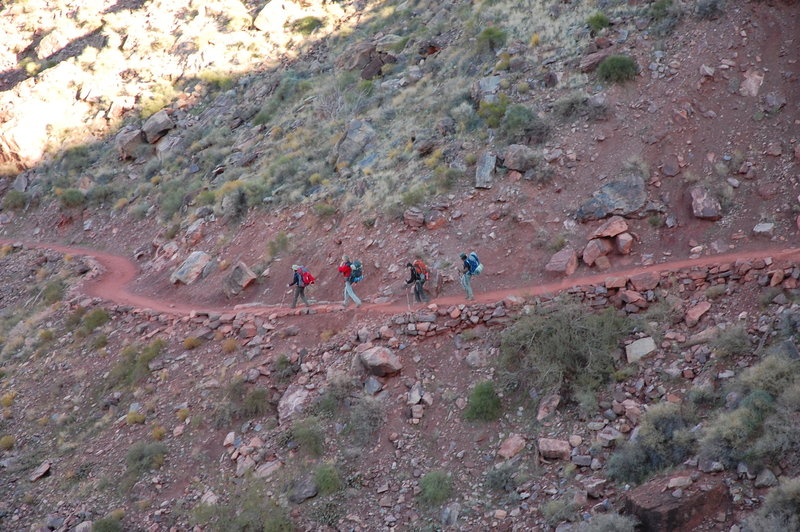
x,y
780,511
617,69
192,343
608,523
327,479
309,436
229,346
501,478
278,244
95,319
732,341
366,417
72,198
558,510
239,402
491,38
436,488
248,510
7,442
484,403
598,22
307,25
14,200
133,364
710,9
144,456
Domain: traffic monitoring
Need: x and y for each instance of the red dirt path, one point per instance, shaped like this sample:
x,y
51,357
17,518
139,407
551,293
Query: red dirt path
x,y
112,284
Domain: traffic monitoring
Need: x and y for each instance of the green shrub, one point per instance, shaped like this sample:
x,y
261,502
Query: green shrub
x,y
133,364
95,319
710,9
247,510
7,442
520,123
327,513
53,292
71,198
780,436
773,374
366,418
324,210
144,456
562,346
307,25
278,244
256,403
617,69
558,510
664,440
608,523
780,511
666,15
493,112
14,200
309,436
107,524
501,478
436,488
484,403
217,80
238,402
598,22
571,106
327,479
491,38
733,341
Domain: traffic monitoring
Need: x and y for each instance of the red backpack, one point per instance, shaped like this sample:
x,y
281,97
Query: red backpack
x,y
306,277
421,269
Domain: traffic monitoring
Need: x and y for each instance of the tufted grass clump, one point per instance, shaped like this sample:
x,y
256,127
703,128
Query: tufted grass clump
x,y
95,319
436,486
781,509
72,198
192,343
617,69
307,25
143,457
327,479
598,21
308,434
7,442
484,403
491,38
14,200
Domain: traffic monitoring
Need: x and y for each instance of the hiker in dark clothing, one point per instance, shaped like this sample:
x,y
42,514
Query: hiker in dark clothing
x,y
419,281
466,277
300,291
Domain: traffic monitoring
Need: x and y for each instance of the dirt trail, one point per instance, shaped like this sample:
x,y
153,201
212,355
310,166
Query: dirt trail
x,y
111,285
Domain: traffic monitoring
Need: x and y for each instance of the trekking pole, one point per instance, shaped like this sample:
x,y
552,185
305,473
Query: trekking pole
x,y
283,298
408,299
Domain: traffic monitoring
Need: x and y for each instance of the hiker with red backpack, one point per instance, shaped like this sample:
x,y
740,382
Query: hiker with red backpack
x,y
472,266
419,274
352,273
301,279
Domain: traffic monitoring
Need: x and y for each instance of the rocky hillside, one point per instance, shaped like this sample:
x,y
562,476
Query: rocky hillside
x,y
626,171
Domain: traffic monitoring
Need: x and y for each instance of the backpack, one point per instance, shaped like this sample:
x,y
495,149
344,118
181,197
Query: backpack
x,y
356,273
475,266
421,269
305,277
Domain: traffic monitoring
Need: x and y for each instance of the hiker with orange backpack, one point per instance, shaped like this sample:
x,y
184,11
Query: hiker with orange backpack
x,y
301,279
419,274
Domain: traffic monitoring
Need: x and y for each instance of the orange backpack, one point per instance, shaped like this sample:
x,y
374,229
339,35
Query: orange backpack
x,y
421,269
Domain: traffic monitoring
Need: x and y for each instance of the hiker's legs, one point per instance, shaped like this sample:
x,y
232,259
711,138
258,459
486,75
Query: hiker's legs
x,y
422,293
465,282
296,295
348,293
302,291
419,295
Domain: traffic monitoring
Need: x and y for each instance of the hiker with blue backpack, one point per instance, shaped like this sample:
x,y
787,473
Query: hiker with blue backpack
x,y
472,266
301,279
352,273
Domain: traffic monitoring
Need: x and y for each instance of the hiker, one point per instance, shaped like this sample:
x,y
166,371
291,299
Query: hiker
x,y
472,266
351,271
301,279
419,274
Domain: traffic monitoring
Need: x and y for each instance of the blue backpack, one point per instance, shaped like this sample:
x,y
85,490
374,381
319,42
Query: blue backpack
x,y
356,273
475,266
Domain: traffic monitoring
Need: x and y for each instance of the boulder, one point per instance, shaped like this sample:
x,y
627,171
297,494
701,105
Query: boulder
x,y
380,361
303,489
191,269
624,243
519,157
127,141
639,349
694,314
564,261
704,205
596,248
240,278
624,197
435,219
657,509
592,61
414,217
41,471
764,229
157,126
291,402
511,446
611,228
547,406
554,449
352,144
484,170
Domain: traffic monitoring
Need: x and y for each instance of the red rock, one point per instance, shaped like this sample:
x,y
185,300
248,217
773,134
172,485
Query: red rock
x,y
597,247
435,220
547,406
694,314
624,243
645,281
655,507
565,261
704,205
630,296
592,61
554,449
40,471
614,226
602,263
511,446
616,282
777,278
774,149
797,153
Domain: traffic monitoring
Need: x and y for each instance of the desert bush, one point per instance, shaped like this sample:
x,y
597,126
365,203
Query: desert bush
x,y
501,478
102,194
53,292
561,347
278,244
238,402
229,346
7,442
308,435
617,69
134,418
247,510
597,22
733,341
307,25
664,440
14,200
608,523
491,38
158,433
493,112
484,403
326,476
571,106
72,198
107,524
774,374
710,9
7,399
327,512
366,417
521,123
133,364
780,511
160,95
145,456
558,510
217,80
436,488
95,319
665,14
192,343
780,436
716,291
284,369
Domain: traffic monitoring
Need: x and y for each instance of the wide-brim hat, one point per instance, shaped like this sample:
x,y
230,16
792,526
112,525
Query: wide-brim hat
x,y
295,267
